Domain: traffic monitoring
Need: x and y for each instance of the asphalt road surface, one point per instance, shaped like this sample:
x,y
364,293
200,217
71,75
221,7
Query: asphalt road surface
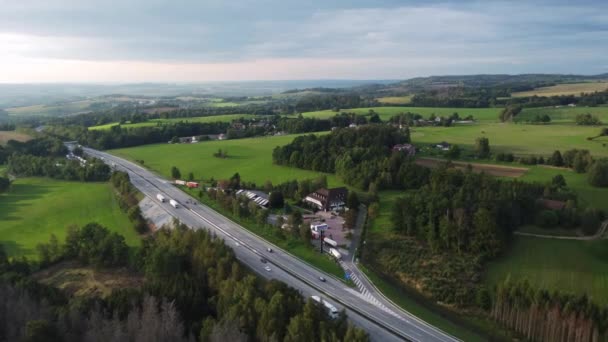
x,y
381,324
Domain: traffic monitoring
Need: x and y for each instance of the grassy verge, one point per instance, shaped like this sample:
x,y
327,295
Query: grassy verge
x,y
275,236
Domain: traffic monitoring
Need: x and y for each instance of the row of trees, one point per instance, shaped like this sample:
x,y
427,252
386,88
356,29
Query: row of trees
x,y
127,200
539,315
30,165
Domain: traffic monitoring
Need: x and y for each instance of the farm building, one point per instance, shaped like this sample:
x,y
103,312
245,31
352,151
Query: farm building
x,y
328,199
408,149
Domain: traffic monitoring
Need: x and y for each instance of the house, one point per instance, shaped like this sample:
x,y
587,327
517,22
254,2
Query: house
x,y
552,204
408,149
328,199
444,146
352,125
221,136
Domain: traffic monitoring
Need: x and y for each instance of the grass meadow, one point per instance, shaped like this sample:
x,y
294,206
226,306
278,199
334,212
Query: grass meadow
x,y
251,158
395,99
565,265
35,208
565,89
563,114
155,122
518,139
385,113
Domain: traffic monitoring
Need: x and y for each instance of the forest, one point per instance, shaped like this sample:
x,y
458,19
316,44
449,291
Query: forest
x,y
194,290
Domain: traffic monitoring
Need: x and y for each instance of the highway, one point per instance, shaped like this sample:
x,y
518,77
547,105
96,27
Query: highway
x,y
380,323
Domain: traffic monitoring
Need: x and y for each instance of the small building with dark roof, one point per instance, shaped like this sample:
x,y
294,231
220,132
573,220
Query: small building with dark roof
x,y
328,199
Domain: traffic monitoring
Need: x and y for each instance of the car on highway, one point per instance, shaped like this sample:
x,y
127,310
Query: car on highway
x,y
322,279
263,260
267,268
269,250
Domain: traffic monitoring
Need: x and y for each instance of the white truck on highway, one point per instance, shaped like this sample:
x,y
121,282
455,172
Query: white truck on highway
x,y
331,309
161,198
174,203
334,252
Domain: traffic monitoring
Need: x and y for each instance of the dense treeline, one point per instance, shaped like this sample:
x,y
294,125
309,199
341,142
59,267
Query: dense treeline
x,y
539,315
360,156
126,137
315,102
194,289
465,212
33,166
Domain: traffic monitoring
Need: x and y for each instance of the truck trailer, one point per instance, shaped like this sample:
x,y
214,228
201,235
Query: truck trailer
x,y
331,309
334,252
161,198
174,203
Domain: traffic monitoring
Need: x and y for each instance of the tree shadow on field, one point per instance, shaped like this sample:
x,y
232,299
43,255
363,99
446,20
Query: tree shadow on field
x,y
17,195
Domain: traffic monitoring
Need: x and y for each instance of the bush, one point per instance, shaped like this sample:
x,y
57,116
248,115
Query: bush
x,y
547,219
591,220
598,173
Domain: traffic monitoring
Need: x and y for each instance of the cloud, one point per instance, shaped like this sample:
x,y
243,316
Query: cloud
x,y
370,39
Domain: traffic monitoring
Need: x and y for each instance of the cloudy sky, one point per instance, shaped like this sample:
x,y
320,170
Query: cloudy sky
x,y
199,40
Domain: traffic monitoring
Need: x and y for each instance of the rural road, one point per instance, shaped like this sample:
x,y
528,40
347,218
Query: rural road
x,y
380,323
598,235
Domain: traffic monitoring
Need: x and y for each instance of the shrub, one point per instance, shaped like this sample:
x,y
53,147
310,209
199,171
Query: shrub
x,y
547,219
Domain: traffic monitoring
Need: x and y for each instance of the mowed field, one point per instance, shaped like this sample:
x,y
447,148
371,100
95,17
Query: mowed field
x,y
565,89
385,113
563,114
155,122
35,208
251,158
5,136
565,265
395,99
515,138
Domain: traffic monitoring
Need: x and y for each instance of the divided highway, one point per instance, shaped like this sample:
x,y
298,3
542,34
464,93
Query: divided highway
x,y
380,323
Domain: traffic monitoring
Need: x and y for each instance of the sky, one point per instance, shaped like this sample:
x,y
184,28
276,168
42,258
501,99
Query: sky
x,y
198,40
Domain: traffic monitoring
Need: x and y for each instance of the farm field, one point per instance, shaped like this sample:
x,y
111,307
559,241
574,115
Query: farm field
x,y
515,138
579,266
251,158
51,110
155,122
565,89
395,99
5,136
563,114
491,169
385,113
35,208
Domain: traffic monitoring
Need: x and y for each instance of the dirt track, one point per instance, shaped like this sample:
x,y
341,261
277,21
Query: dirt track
x,y
494,170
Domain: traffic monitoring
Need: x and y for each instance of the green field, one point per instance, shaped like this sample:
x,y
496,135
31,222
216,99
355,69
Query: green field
x,y
155,122
587,194
480,114
251,158
35,208
563,114
515,138
565,265
565,89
